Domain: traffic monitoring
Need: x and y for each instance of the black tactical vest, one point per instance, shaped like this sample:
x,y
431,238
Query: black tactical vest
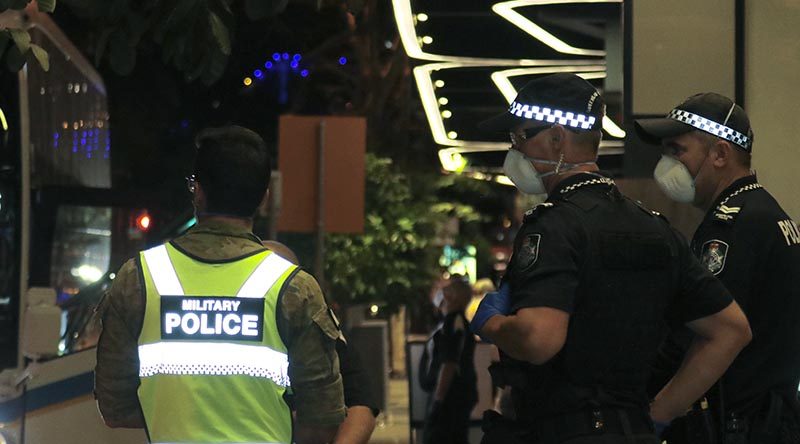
x,y
628,276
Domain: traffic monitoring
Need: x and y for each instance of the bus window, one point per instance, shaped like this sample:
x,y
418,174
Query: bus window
x,y
79,271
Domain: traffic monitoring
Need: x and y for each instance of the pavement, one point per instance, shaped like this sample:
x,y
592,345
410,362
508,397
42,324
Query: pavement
x,y
393,426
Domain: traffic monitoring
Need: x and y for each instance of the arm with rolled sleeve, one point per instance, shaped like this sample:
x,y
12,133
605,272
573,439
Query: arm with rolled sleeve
x,y
117,369
542,287
310,335
721,331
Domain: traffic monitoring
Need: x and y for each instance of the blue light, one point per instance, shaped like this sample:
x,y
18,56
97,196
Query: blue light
x,y
276,56
56,135
297,57
285,56
268,65
258,73
304,73
294,65
342,60
184,123
83,142
88,155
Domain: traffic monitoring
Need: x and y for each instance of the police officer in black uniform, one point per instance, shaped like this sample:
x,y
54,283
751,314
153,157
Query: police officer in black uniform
x,y
593,280
753,247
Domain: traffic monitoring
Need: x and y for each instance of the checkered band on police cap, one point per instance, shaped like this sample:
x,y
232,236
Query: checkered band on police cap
x,y
545,114
711,127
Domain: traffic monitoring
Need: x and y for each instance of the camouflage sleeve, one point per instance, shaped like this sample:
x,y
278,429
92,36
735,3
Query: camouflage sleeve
x,y
311,333
117,369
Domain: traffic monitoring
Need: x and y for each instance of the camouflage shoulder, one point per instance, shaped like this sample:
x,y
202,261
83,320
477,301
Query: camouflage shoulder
x,y
301,297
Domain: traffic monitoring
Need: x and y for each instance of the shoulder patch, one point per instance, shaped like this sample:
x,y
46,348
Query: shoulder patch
x,y
537,209
713,255
528,251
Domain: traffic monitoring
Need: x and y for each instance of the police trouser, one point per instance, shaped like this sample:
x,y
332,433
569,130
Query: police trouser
x,y
597,426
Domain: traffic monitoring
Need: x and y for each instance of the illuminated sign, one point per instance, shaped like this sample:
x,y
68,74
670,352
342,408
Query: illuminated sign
x,y
209,318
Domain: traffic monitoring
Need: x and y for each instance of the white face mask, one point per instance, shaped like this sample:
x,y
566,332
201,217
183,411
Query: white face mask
x,y
519,169
674,179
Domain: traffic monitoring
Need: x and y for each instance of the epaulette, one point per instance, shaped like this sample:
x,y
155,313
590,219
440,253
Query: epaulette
x,y
649,211
536,210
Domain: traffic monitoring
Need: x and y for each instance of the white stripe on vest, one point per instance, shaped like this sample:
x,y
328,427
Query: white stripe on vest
x,y
213,358
264,277
163,272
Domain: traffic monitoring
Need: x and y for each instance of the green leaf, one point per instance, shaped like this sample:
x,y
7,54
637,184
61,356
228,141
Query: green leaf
x,y
221,33
46,5
22,39
41,56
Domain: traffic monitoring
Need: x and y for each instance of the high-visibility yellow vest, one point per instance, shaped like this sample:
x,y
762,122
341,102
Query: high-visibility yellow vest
x,y
212,364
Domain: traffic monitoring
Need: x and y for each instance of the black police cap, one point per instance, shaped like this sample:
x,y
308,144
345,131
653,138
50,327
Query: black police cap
x,y
562,98
709,112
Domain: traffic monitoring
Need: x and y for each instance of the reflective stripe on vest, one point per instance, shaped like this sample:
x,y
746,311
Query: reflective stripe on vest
x,y
213,358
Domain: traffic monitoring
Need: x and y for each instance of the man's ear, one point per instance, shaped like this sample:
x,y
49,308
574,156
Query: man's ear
x,y
723,153
558,136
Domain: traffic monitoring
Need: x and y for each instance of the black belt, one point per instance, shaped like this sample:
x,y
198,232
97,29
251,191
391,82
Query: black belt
x,y
593,422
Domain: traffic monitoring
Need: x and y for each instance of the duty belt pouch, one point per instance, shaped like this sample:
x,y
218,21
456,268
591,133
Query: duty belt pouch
x,y
699,425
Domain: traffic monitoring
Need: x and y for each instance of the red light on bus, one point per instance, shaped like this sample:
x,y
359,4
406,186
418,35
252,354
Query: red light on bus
x,y
143,221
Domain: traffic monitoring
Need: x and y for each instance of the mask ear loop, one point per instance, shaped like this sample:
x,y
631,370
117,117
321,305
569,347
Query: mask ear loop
x,y
559,164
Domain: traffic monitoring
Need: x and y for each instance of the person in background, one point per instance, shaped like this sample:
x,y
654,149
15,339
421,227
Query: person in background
x,y
453,380
359,396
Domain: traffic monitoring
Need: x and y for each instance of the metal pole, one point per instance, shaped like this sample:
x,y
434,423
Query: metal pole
x,y
319,262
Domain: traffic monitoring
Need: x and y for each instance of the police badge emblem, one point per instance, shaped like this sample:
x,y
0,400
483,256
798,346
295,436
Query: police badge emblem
x,y
713,255
528,251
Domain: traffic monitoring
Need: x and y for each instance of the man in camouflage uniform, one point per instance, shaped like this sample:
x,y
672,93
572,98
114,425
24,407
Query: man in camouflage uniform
x,y
232,171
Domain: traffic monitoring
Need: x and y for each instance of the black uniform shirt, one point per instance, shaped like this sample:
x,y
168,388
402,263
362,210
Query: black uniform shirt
x,y
749,243
620,271
550,249
453,343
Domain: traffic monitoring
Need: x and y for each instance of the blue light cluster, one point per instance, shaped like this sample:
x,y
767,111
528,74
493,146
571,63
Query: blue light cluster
x,y
86,140
281,62
285,62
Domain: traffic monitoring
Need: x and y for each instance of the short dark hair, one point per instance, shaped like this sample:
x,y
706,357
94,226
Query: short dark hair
x,y
234,169
744,158
589,139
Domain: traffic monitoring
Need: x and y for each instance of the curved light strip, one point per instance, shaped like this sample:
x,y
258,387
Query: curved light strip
x,y
501,80
408,35
506,10
3,120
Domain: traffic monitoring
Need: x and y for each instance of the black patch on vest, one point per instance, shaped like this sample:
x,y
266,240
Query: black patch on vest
x,y
631,251
212,318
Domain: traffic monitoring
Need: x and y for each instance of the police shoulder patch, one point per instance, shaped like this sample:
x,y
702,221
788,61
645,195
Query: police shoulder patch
x,y
713,255
528,251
